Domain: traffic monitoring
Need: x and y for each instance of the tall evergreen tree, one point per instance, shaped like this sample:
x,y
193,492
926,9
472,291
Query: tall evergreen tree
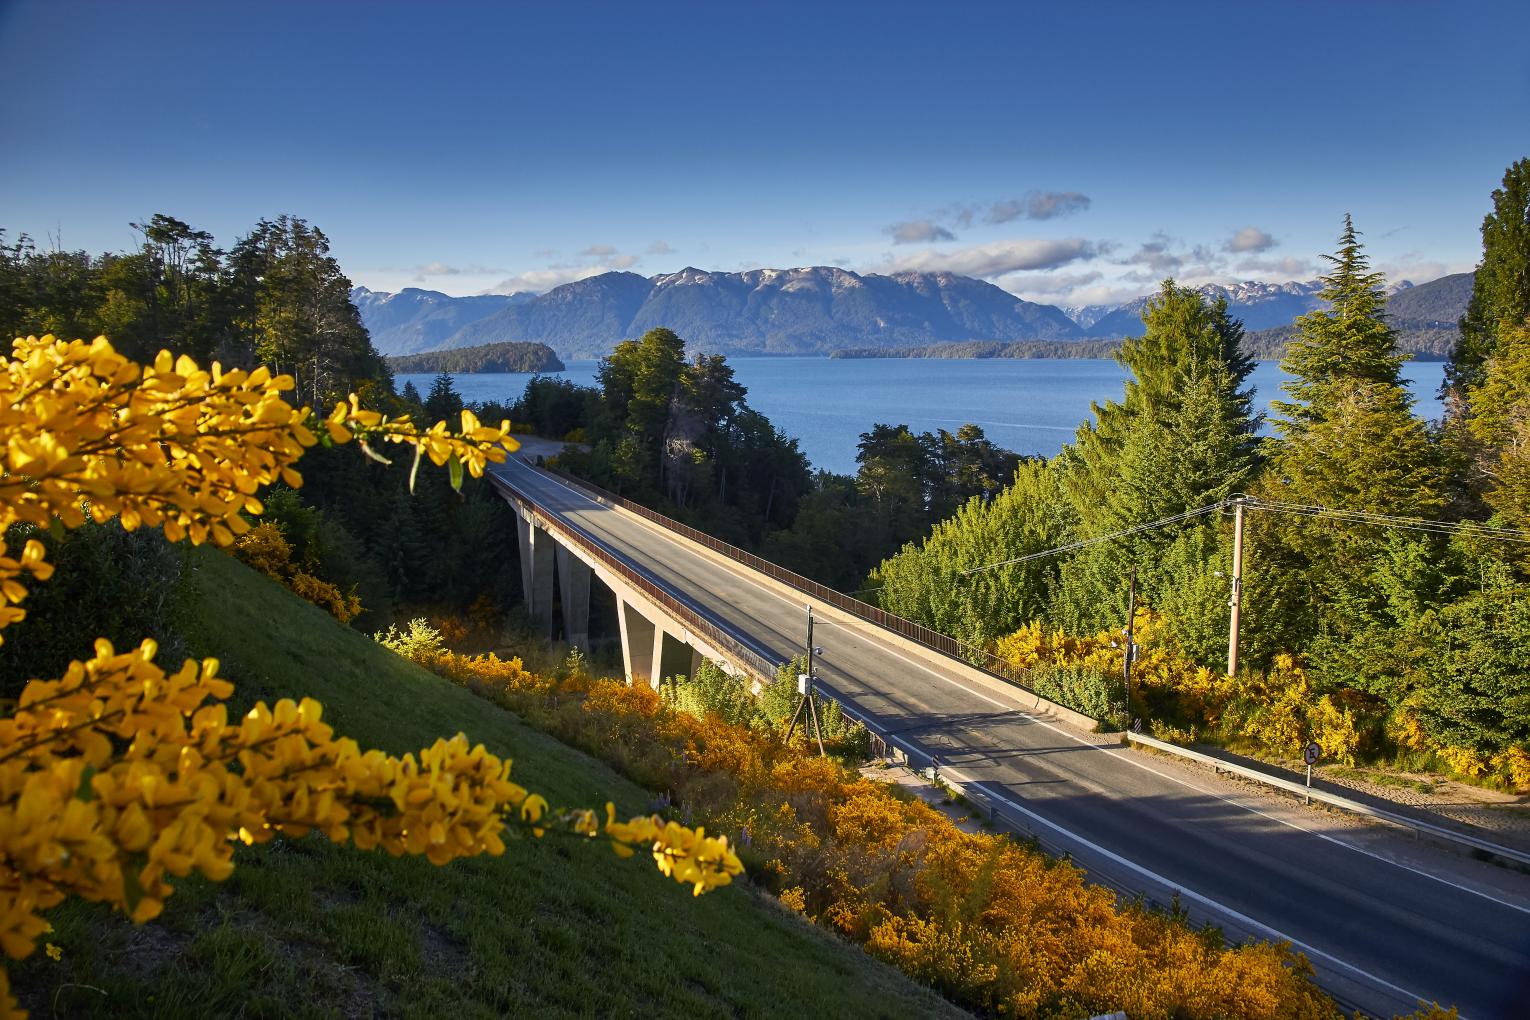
x,y
1488,379
1501,286
1348,441
1349,341
1183,436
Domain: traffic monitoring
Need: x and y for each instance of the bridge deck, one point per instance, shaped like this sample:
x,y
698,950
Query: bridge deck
x,y
1383,920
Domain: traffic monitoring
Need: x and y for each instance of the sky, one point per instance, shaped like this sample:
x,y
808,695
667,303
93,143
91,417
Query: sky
x,y
1071,153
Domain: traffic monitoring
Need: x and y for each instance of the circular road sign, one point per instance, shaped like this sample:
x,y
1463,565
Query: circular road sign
x,y
1311,753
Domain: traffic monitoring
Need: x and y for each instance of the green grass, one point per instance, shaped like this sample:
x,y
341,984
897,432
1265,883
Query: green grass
x,y
552,928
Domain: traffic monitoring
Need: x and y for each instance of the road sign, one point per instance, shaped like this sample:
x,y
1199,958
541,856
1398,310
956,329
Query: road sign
x,y
1311,753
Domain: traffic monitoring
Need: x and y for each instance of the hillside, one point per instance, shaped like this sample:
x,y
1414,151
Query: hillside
x,y
305,928
501,357
419,320
779,311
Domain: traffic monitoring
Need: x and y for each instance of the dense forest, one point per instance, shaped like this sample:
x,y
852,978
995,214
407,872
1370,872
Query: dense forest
x,y
1386,588
508,356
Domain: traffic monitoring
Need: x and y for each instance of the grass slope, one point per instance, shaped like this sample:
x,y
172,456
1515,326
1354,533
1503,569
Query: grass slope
x,y
305,928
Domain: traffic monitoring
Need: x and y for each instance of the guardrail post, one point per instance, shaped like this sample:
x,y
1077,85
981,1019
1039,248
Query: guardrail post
x,y
536,547
574,591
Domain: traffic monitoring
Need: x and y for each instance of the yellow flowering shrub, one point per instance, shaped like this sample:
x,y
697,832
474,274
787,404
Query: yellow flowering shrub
x,y
992,924
265,548
117,776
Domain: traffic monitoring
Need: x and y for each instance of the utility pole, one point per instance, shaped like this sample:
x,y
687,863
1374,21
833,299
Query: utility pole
x,y
1235,604
1131,648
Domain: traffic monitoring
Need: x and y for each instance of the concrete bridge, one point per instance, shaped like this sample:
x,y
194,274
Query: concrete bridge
x,y
1385,921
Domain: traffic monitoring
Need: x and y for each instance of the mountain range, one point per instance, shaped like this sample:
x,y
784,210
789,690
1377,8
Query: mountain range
x,y
816,310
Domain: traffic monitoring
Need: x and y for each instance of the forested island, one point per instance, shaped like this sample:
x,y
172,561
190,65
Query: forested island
x,y
509,356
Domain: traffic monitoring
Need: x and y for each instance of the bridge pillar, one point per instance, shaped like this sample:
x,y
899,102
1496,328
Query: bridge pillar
x,y
671,656
536,548
637,643
574,591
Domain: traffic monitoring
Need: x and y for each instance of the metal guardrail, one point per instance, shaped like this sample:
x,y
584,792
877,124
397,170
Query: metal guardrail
x,y
932,639
1333,799
685,614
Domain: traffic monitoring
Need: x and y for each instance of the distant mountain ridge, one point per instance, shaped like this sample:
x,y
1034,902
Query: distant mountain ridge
x,y
822,309
811,310
419,320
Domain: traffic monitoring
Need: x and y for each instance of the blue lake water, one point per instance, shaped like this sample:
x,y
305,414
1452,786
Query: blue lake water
x,y
1029,406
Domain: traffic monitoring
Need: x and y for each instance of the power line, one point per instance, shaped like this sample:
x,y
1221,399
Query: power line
x,y
1394,521
1124,533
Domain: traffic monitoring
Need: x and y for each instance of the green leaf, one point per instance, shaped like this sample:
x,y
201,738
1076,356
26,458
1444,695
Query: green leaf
x,y
372,453
132,889
84,792
454,466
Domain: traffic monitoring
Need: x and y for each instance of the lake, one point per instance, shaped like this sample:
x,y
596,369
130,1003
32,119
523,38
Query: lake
x,y
1029,406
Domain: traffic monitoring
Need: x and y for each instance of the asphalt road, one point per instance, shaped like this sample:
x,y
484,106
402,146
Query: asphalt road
x,y
1384,922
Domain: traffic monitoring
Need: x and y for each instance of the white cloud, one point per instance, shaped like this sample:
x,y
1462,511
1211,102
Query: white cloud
x,y
1156,256
419,274
919,232
1037,205
603,258
998,258
1249,239
1416,268
1048,288
1290,267
541,280
660,248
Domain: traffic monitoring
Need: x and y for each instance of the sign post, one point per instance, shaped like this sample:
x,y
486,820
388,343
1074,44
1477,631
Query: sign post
x,y
1310,754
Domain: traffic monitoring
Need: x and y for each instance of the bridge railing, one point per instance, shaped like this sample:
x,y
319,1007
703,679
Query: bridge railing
x,y
685,614
980,658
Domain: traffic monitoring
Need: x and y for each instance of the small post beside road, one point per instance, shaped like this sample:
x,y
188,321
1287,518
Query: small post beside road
x,y
1310,754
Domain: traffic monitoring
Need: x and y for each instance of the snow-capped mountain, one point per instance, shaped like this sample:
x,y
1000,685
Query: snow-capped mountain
x,y
810,310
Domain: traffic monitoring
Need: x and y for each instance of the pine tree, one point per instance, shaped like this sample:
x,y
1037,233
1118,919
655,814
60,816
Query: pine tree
x,y
1184,435
1349,341
1501,286
1349,441
1488,380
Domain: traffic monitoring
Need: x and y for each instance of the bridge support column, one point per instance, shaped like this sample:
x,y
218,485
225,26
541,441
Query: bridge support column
x,y
536,548
637,643
671,656
574,591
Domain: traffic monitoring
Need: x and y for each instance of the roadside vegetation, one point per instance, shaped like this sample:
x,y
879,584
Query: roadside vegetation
x,y
994,925
1386,594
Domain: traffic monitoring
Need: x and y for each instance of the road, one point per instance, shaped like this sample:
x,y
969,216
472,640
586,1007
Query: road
x,y
1384,921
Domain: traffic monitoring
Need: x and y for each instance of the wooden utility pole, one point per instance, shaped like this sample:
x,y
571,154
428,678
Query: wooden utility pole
x,y
1131,621
1235,604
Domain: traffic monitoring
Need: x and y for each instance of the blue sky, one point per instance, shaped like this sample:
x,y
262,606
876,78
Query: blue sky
x,y
1070,153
